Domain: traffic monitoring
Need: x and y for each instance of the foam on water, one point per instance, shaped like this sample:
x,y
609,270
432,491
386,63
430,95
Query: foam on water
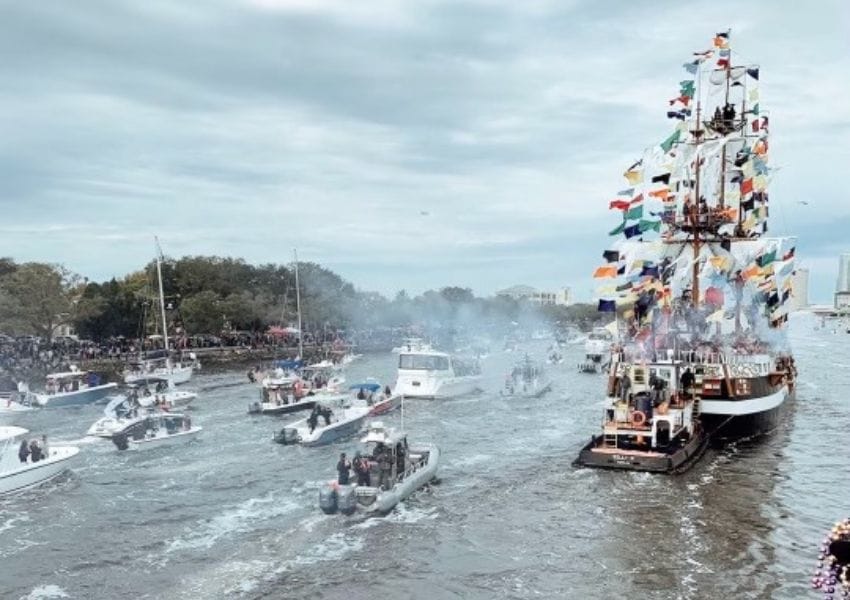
x,y
46,592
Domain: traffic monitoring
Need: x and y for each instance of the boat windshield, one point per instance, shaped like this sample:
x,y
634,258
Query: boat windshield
x,y
423,362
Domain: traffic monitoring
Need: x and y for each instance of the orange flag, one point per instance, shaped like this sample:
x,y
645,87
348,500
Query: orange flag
x,y
606,271
662,193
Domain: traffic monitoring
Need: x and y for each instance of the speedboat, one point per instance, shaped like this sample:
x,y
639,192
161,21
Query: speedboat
x,y
162,391
427,373
526,380
596,348
282,394
73,388
405,470
161,429
323,375
375,397
324,425
17,475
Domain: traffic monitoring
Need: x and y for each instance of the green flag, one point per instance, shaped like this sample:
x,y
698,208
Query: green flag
x,y
667,144
619,229
755,109
647,225
635,212
687,88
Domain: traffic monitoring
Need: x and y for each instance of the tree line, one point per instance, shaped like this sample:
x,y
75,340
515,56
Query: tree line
x,y
211,294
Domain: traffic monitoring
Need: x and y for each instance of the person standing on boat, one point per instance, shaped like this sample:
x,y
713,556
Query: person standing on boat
x,y
625,386
343,467
687,381
23,451
361,469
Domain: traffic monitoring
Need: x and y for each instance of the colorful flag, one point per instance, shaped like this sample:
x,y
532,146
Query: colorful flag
x,y
661,194
632,231
746,187
607,306
691,67
634,213
667,144
637,199
606,271
662,179
627,192
611,255
766,259
618,204
754,73
633,177
618,230
647,225
790,254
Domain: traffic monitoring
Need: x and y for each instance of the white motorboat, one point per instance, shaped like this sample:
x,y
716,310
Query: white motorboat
x,y
16,474
282,394
426,373
161,429
161,391
13,402
389,473
71,388
597,350
380,400
325,424
323,375
526,380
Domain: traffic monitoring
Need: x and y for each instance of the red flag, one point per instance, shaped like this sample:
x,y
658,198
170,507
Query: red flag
x,y
620,204
723,63
746,187
637,199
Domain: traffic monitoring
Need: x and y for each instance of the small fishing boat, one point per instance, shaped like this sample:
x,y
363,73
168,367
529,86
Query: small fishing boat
x,y
162,391
72,388
18,472
160,429
380,400
390,471
282,395
323,375
526,380
324,425
597,347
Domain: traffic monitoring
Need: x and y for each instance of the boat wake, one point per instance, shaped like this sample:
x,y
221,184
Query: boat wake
x,y
46,592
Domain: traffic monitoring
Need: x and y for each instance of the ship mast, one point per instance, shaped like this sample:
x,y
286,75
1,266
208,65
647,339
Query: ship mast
x,y
695,208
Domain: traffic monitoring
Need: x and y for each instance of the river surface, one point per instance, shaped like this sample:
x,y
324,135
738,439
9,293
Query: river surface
x,y
233,515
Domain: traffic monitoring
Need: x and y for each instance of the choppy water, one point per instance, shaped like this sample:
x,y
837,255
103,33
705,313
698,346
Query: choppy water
x,y
234,515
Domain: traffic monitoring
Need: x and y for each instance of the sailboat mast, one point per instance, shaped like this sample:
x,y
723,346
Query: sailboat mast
x,y
298,306
161,292
722,201
696,208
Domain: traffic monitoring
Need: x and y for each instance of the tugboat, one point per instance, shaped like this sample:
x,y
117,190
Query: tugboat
x,y
702,291
390,471
526,380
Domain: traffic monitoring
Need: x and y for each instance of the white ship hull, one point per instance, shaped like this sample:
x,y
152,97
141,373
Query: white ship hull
x,y
175,375
164,439
32,474
421,385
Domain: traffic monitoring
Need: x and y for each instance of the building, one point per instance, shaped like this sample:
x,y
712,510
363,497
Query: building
x,y
561,297
843,284
842,301
800,289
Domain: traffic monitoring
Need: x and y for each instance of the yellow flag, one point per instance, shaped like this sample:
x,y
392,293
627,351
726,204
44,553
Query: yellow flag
x,y
633,177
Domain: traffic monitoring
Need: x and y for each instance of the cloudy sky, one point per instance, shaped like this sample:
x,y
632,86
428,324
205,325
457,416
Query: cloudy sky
x,y
404,144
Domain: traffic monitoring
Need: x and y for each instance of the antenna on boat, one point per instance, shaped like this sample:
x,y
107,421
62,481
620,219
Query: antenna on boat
x,y
161,293
298,306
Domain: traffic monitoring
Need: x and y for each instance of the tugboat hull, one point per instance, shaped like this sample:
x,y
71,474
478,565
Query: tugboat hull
x,y
594,455
730,427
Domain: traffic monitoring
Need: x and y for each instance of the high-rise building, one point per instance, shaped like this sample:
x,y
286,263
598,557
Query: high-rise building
x,y
843,274
800,289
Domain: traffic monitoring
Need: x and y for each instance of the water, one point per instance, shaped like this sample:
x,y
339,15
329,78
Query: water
x,y
234,515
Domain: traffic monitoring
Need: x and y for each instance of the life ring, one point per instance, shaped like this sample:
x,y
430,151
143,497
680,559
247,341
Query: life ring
x,y
638,418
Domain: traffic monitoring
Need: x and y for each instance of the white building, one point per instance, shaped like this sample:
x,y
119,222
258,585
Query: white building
x,y
843,284
561,297
800,289
842,300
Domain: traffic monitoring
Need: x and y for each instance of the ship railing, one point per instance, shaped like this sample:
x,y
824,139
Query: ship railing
x,y
683,356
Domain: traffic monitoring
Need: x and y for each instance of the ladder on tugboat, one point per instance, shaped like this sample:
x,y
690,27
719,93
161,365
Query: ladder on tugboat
x,y
609,438
697,404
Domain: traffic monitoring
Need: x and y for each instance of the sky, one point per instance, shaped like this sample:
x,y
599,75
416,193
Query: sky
x,y
405,145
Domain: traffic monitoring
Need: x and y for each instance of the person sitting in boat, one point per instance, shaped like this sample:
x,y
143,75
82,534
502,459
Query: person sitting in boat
x,y
362,470
385,464
23,451
387,391
343,468
161,386
361,395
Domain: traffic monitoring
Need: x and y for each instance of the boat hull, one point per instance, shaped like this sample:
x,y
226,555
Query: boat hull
x,y
738,419
33,474
268,408
436,389
76,398
299,432
595,457
176,375
164,440
385,406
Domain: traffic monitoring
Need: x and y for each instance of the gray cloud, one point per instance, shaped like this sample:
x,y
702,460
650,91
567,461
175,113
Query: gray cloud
x,y
248,128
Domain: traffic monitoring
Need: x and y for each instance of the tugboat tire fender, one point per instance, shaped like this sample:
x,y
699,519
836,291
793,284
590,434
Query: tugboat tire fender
x,y
638,418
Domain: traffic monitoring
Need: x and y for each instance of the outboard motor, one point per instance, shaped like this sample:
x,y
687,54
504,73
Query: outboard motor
x,y
346,500
286,436
120,441
254,408
328,500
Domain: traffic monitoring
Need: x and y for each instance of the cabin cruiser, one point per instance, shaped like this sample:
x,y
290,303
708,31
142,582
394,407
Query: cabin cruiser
x,y
380,400
328,422
323,375
526,380
596,348
21,469
426,373
72,388
650,421
121,413
389,472
159,429
161,391
162,367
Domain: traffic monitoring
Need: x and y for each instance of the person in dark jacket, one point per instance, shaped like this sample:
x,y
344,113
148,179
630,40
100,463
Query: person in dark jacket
x,y
361,468
687,381
343,467
23,451
35,451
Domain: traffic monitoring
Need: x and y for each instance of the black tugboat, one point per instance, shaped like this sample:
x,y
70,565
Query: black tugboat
x,y
702,291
